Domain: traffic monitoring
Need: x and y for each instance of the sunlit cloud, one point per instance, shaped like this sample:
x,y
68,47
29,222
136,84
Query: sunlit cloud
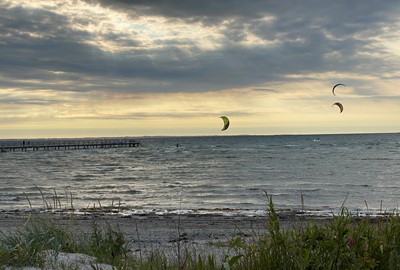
x,y
150,67
115,31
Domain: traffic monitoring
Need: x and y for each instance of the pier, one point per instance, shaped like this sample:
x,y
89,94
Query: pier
x,y
53,144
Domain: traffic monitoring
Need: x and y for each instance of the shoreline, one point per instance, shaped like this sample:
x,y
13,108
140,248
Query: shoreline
x,y
154,229
146,233
170,235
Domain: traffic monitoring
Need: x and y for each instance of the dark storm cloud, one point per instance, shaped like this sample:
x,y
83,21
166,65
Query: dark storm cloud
x,y
40,45
35,42
190,9
340,16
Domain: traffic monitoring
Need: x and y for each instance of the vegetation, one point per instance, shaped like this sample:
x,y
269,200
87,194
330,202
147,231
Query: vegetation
x,y
341,242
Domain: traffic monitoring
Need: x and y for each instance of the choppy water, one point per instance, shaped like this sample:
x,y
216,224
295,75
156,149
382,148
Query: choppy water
x,y
227,174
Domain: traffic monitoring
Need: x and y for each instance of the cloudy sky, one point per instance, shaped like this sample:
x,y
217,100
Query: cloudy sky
x,y
76,68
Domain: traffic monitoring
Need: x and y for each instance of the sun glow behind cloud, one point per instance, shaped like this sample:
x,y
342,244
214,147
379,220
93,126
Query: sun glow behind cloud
x,y
113,31
251,112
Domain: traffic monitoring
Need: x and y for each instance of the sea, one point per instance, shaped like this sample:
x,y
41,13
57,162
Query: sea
x,y
224,175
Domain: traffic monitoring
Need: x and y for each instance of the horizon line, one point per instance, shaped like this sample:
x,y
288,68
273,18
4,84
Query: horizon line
x,y
194,136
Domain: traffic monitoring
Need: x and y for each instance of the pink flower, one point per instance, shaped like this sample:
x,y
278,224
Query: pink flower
x,y
350,241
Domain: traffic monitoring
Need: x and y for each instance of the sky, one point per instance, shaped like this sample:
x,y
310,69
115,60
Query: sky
x,y
94,68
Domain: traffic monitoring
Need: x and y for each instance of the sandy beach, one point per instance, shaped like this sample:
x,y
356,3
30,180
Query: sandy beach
x,y
169,234
149,230
196,233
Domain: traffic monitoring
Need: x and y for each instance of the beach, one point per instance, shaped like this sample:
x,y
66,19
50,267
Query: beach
x,y
203,234
149,231
145,234
175,237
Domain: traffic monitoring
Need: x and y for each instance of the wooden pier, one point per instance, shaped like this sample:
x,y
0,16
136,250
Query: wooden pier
x,y
36,145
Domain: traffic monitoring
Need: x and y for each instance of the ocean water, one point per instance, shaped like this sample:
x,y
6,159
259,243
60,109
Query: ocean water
x,y
218,174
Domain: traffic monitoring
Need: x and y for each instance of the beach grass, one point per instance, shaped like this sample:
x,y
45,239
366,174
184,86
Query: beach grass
x,y
340,242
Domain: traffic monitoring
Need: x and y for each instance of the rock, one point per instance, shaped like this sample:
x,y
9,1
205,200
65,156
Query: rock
x,y
73,261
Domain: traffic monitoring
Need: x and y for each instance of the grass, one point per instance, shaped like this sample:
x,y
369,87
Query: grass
x,y
342,242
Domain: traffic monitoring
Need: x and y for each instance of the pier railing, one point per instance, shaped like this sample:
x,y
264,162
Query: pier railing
x,y
36,145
